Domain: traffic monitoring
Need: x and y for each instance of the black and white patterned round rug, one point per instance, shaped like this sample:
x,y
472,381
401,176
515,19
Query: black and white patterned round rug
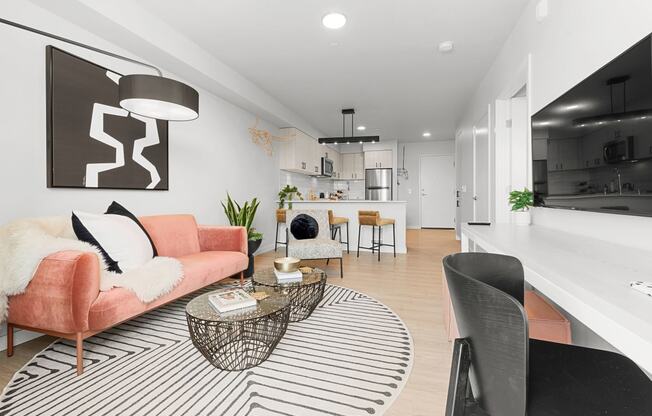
x,y
351,357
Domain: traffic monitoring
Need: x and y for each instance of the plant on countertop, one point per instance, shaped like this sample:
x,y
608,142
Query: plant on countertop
x,y
243,215
287,193
521,200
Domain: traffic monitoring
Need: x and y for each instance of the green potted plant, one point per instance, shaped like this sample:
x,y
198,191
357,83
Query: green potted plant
x,y
521,201
288,192
244,216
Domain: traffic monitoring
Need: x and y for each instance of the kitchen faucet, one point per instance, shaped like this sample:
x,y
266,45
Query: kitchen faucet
x,y
620,183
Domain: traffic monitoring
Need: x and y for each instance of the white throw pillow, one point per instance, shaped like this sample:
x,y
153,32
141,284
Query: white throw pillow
x,y
124,245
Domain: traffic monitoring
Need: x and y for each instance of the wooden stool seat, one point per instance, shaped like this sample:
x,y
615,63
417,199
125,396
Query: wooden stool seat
x,y
336,224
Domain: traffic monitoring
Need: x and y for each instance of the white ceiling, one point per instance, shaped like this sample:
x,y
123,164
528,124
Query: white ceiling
x,y
384,62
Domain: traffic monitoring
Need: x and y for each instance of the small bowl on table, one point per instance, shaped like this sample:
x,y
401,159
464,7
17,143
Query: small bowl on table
x,y
287,264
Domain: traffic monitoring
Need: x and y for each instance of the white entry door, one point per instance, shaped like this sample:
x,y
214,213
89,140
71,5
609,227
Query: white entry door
x,y
437,182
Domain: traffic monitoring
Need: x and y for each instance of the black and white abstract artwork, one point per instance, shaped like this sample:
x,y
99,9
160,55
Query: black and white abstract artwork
x,y
92,141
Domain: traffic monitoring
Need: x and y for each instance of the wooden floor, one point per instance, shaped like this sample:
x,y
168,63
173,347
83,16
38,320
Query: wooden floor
x,y
410,285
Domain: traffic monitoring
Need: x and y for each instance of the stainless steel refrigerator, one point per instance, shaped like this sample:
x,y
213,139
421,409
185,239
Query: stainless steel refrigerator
x,y
378,184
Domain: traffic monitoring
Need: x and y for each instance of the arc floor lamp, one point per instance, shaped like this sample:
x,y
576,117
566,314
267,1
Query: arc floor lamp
x,y
153,96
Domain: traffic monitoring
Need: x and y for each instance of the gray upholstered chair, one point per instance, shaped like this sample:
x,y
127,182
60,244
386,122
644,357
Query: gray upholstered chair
x,y
309,237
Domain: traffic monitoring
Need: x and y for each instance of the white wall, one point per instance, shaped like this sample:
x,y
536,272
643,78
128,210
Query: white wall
x,y
208,157
576,39
408,190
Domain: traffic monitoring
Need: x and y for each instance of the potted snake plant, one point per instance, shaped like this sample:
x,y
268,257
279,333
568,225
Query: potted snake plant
x,y
244,216
521,201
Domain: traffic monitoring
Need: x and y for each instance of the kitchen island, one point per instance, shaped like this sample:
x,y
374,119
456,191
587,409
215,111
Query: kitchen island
x,y
350,208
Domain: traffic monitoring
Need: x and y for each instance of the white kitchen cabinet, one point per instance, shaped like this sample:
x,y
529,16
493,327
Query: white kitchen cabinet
x,y
591,152
299,153
378,159
317,151
540,149
353,166
563,154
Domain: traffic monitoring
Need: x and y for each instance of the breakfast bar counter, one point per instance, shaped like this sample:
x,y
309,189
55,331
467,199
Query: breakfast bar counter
x,y
589,278
395,210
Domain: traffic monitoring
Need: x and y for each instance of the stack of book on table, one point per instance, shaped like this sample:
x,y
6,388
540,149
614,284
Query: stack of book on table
x,y
288,277
231,300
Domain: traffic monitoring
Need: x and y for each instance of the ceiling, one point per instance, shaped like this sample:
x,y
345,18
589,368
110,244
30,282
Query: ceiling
x,y
384,62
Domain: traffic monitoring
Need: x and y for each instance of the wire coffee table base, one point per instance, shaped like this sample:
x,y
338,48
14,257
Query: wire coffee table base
x,y
304,296
241,343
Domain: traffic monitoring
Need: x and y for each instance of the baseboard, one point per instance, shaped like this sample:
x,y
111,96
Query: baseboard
x,y
20,336
267,248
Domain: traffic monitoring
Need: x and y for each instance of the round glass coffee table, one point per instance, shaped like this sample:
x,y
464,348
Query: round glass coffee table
x,y
304,295
242,339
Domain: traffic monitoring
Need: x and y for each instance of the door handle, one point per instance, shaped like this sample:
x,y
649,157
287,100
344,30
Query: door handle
x,y
475,198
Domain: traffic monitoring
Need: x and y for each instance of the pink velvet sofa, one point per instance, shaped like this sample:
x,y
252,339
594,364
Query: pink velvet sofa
x,y
63,299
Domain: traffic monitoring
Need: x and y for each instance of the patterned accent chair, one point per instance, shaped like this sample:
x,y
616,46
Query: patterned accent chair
x,y
318,245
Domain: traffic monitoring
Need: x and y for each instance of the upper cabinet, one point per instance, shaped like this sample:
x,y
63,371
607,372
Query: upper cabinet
x,y
352,166
563,154
300,153
378,159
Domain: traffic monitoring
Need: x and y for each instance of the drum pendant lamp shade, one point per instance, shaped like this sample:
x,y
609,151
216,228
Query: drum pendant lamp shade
x,y
158,97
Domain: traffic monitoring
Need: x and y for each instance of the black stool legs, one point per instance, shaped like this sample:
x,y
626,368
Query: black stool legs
x,y
376,245
276,240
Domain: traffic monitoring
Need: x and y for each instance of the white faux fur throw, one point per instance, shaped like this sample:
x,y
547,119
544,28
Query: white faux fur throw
x,y
24,243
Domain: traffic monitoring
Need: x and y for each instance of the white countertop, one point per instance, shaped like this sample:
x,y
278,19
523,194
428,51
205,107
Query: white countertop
x,y
356,201
589,278
598,195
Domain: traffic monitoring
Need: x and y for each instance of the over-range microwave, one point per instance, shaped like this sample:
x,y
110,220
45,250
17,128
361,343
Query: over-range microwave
x,y
619,150
326,167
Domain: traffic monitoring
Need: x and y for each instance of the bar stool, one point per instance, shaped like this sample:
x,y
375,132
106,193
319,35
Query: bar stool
x,y
280,219
336,226
372,218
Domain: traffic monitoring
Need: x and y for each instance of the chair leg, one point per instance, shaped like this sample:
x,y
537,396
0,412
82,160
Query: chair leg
x,y
380,240
458,386
241,279
341,268
80,353
10,339
394,237
276,238
327,260
347,238
359,231
287,243
373,237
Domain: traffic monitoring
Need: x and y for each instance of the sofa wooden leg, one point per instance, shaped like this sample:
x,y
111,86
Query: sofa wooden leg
x,y
241,279
10,339
80,353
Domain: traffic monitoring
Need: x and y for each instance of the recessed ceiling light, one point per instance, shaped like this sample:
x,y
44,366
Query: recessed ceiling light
x,y
426,134
362,128
334,20
446,46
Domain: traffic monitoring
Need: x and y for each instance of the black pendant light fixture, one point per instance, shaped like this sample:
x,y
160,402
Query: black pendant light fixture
x,y
352,138
614,117
153,96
